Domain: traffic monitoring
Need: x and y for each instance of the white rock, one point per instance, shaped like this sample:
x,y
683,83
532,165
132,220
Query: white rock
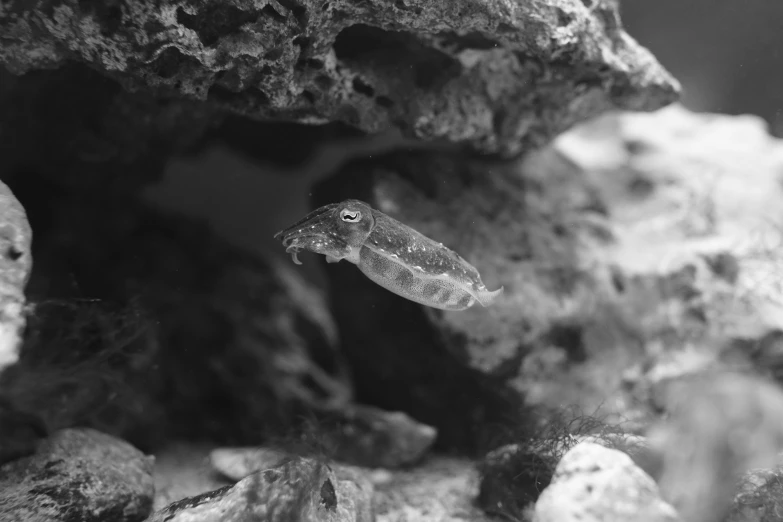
x,y
593,483
15,266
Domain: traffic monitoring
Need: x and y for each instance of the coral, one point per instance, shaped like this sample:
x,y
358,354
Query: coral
x,y
501,76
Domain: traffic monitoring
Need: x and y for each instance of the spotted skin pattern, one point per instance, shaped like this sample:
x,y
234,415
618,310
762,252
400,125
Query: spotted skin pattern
x,y
391,254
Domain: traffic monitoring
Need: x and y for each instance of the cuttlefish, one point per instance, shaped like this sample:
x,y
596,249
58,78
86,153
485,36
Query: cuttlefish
x,y
391,254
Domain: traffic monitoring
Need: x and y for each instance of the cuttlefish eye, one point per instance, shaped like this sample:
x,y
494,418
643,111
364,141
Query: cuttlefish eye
x,y
350,216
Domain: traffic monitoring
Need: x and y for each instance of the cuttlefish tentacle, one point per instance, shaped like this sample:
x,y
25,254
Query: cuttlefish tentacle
x,y
391,254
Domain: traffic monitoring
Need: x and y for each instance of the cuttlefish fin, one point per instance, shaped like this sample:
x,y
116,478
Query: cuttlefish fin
x,y
486,297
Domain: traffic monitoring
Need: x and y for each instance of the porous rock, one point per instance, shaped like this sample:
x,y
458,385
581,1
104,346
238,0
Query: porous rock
x,y
16,260
78,474
512,478
581,235
299,489
593,483
499,75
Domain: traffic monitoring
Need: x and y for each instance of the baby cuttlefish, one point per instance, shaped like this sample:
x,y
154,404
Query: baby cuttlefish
x,y
391,254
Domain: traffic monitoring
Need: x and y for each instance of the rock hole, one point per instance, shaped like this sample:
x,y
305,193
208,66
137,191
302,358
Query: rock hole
x,y
564,18
269,11
303,42
724,266
358,40
314,63
108,14
559,230
299,11
250,99
113,20
348,114
13,254
618,280
425,76
324,82
169,62
215,21
273,54
472,40
610,18
635,146
569,337
363,88
641,186
328,495
385,102
309,96
503,27
396,51
499,119
271,476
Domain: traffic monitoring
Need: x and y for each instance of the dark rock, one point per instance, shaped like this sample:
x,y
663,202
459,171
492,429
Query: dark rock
x,y
160,329
300,489
512,478
15,263
370,437
499,78
20,432
78,474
